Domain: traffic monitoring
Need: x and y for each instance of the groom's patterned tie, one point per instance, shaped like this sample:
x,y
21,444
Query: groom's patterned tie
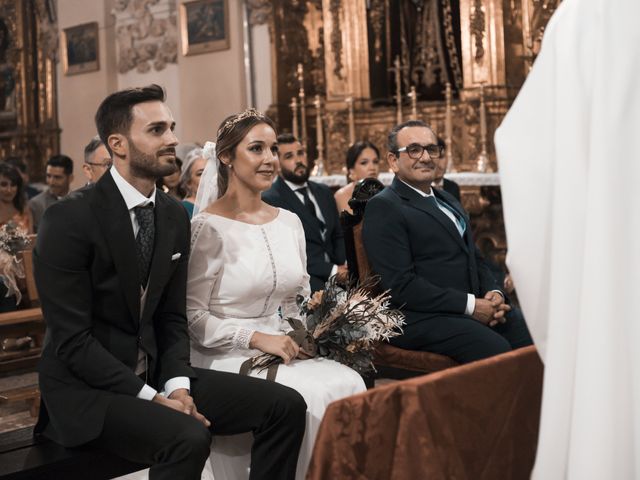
x,y
144,240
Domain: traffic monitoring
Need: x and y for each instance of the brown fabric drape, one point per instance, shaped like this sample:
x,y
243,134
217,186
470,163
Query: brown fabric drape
x,y
475,421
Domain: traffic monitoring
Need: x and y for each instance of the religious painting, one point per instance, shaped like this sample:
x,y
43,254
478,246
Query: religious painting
x,y
80,49
204,26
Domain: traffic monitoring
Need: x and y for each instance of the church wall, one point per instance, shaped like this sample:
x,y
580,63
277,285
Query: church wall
x,y
80,95
212,85
201,89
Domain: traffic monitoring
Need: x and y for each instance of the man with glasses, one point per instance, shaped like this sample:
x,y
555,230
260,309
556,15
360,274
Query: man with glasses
x,y
419,241
96,160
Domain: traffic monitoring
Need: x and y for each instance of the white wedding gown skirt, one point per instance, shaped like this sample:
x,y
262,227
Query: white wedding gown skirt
x,y
319,380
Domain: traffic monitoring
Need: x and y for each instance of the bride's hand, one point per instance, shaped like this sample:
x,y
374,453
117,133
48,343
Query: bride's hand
x,y
280,345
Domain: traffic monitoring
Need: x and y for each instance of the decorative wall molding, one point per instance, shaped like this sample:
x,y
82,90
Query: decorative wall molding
x,y
336,37
260,12
48,37
478,26
147,34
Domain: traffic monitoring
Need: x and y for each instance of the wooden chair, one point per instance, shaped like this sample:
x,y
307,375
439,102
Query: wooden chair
x,y
390,361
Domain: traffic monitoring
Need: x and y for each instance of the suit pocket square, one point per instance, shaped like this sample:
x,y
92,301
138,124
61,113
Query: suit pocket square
x,y
175,256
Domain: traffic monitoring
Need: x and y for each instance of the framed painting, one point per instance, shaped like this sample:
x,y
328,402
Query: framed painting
x,y
80,49
204,26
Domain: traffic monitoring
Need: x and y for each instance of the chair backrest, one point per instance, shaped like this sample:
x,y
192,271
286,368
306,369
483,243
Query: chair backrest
x,y
359,266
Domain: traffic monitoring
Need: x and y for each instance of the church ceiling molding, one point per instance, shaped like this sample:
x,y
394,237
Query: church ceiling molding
x,y
147,35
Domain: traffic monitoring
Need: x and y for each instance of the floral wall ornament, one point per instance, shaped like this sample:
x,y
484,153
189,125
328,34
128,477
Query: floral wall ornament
x,y
336,38
478,25
147,34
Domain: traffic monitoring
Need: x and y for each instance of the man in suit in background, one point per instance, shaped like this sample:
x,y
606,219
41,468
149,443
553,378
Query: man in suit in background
x,y
111,269
418,240
316,207
96,160
439,181
59,175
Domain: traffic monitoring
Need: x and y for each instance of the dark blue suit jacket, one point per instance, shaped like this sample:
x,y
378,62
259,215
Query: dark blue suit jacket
x,y
419,254
319,269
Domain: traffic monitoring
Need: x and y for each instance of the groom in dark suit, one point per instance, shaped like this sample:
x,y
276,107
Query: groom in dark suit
x,y
418,240
111,270
316,207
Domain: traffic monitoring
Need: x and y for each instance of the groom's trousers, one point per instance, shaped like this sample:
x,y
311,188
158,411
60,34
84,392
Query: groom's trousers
x,y
178,445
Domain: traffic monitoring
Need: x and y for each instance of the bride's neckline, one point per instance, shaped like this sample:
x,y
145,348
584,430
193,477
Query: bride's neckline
x,y
244,223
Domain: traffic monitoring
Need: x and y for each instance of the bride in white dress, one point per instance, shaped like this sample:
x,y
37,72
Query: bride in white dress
x,y
247,266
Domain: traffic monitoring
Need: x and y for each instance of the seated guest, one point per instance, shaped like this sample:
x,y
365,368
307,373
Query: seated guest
x,y
13,201
59,175
96,160
111,268
441,168
190,178
170,183
363,161
316,207
29,190
419,241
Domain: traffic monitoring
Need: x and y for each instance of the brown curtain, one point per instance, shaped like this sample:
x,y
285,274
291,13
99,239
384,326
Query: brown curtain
x,y
475,421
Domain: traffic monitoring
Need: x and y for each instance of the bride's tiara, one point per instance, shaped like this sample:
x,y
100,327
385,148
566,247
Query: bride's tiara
x,y
232,122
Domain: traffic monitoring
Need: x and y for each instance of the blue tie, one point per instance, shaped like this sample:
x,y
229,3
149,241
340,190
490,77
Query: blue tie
x,y
460,223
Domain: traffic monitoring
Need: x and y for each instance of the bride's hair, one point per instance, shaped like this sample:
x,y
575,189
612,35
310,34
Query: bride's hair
x,y
231,132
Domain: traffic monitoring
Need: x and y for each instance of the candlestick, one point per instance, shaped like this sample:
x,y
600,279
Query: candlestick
x,y
303,109
448,128
294,113
397,70
352,122
414,103
482,163
320,170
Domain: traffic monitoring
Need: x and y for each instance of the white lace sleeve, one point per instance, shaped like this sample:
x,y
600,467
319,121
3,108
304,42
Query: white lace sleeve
x,y
289,306
206,265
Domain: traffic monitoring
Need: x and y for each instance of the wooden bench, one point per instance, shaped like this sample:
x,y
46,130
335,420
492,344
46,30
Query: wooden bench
x,y
24,457
390,361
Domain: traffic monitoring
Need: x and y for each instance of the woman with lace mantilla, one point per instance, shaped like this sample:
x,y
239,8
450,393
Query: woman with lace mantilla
x,y
246,268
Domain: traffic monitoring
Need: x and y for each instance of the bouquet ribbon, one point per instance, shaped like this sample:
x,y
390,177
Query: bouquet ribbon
x,y
300,335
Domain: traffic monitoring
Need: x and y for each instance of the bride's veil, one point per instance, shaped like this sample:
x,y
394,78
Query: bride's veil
x,y
208,188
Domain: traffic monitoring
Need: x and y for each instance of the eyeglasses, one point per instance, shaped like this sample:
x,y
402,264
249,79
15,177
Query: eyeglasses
x,y
103,165
415,150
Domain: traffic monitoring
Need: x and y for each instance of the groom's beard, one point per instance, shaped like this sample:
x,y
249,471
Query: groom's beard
x,y
144,165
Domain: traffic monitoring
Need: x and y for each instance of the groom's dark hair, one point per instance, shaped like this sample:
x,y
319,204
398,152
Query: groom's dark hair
x,y
114,113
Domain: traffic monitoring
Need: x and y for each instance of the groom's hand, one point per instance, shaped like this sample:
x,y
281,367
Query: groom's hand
x,y
181,401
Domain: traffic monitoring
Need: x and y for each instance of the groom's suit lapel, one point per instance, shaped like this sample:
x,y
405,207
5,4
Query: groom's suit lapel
x,y
114,219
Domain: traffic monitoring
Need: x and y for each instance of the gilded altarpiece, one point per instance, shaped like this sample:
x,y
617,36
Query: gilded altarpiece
x,y
372,55
28,57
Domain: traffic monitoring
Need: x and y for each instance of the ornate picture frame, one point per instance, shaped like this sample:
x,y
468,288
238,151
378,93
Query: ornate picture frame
x,y
204,26
81,49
